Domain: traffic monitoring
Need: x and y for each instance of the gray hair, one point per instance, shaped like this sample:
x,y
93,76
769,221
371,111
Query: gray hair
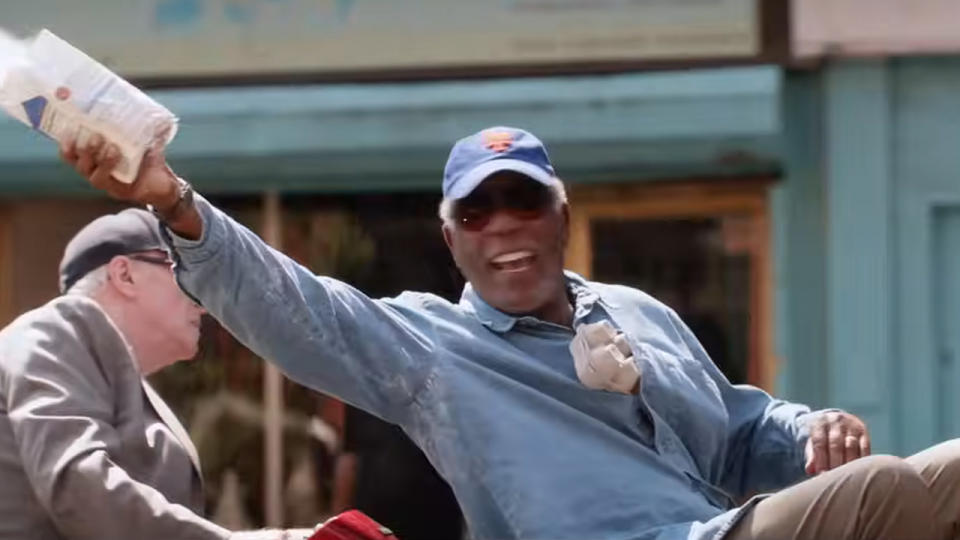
x,y
445,211
91,283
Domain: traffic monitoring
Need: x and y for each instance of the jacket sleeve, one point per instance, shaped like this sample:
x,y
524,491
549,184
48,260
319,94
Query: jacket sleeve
x,y
60,407
323,333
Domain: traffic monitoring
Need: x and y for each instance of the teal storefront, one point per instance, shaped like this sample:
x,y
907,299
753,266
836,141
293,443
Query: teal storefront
x,y
868,244
849,170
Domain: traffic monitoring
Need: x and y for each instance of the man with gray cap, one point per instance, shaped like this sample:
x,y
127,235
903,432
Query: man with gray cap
x,y
556,407
88,450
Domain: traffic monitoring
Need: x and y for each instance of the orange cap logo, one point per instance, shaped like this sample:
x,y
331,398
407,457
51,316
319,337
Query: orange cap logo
x,y
498,141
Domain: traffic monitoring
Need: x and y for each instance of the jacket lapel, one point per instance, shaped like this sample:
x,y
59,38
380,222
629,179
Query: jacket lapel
x,y
170,419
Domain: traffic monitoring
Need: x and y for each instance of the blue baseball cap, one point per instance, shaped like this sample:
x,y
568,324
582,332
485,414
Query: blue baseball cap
x,y
473,159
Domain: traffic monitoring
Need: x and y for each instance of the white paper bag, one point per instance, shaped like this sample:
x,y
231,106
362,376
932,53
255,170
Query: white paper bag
x,y
603,359
58,90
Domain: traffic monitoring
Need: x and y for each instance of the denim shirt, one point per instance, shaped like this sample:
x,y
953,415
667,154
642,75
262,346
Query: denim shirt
x,y
494,400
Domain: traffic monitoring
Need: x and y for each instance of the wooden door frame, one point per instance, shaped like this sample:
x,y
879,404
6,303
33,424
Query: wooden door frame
x,y
6,265
693,198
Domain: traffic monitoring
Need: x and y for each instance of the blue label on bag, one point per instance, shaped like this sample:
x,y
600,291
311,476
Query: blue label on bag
x,y
34,108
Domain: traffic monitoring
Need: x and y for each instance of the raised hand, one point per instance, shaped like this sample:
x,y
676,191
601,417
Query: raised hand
x,y
155,184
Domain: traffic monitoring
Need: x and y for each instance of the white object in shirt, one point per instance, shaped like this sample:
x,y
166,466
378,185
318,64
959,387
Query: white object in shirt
x,y
603,358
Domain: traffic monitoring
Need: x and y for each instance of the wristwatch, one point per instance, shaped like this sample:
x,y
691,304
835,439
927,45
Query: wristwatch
x,y
184,203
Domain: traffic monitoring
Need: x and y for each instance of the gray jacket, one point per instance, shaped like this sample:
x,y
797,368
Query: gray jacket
x,y
87,448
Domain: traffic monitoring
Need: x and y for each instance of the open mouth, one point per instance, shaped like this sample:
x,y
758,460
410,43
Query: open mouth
x,y
515,261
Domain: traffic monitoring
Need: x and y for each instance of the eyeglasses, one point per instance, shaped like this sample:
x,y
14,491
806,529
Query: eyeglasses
x,y
524,199
159,261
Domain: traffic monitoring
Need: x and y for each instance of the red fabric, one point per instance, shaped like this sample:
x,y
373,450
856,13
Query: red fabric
x,y
352,525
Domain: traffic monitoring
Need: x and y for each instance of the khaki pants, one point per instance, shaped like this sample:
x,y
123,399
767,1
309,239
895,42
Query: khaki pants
x,y
872,498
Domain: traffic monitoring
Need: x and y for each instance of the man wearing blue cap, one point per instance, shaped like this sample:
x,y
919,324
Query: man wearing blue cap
x,y
556,407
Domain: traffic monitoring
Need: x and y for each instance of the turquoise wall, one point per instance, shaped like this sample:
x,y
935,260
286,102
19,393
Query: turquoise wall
x,y
867,227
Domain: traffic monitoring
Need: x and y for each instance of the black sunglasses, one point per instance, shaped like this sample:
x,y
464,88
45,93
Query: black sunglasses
x,y
524,199
159,261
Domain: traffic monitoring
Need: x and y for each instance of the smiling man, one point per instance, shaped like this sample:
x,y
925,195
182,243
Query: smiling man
x,y
556,407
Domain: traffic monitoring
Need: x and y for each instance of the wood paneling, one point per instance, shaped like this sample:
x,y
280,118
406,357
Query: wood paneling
x,y
6,267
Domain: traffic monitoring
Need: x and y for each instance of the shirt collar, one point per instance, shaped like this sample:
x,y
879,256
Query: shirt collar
x,y
585,297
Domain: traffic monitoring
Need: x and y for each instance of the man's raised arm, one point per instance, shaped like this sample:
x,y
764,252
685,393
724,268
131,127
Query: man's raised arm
x,y
323,333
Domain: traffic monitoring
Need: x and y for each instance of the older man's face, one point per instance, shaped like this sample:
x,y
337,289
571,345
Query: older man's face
x,y
173,317
508,238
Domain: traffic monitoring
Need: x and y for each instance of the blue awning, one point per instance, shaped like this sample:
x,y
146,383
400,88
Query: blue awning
x,y
394,137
